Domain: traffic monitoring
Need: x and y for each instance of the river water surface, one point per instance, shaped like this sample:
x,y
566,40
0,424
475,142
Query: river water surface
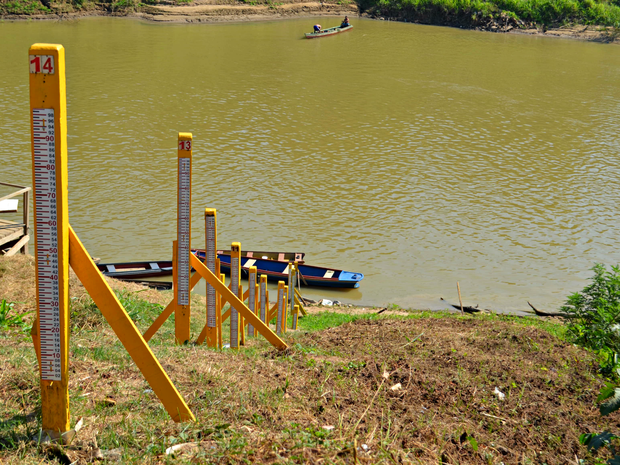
x,y
417,155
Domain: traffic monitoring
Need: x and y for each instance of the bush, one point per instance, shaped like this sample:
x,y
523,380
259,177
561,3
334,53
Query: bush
x,y
593,315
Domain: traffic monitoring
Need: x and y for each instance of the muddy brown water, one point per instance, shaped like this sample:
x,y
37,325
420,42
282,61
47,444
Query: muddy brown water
x,y
416,155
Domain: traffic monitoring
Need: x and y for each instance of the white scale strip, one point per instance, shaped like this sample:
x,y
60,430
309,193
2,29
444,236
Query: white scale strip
x,y
210,259
252,299
183,239
234,315
47,242
263,304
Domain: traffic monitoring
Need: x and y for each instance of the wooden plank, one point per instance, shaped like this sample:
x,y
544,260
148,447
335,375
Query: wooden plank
x,y
163,316
236,303
13,250
126,330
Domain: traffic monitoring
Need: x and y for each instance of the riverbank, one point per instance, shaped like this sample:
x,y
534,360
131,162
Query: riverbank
x,y
598,22
355,387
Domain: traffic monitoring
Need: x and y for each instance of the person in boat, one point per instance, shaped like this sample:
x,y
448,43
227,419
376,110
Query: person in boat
x,y
317,28
345,22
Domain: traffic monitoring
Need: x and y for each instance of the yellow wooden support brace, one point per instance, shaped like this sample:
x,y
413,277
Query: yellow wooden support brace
x,y
126,330
299,302
163,316
236,303
242,320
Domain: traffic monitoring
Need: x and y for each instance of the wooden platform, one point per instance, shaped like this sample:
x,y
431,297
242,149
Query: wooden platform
x,y
14,236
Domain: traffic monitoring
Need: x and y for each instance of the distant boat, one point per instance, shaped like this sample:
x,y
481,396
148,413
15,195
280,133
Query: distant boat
x,y
328,32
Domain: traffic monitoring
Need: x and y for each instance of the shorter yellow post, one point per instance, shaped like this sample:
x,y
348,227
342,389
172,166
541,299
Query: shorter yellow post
x,y
281,304
241,320
235,272
252,296
295,317
285,319
264,303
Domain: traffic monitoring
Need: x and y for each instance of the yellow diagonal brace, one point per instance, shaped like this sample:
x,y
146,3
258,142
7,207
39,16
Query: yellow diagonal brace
x,y
126,330
298,302
220,287
163,316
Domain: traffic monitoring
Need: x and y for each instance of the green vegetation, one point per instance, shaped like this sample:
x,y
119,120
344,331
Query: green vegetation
x,y
593,315
14,321
22,7
476,13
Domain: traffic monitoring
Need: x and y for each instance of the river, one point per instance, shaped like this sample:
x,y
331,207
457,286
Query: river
x,y
417,155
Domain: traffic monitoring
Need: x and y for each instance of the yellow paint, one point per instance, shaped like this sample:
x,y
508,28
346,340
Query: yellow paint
x,y
34,334
48,91
182,313
126,330
237,304
285,310
298,302
223,281
252,296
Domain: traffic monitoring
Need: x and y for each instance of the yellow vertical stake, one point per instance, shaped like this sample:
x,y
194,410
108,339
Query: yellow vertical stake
x,y
285,310
252,296
184,203
264,303
295,317
280,304
241,320
235,271
48,122
219,303
210,259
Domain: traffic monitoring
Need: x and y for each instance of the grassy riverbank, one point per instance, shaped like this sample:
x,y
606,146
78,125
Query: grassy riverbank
x,y
410,387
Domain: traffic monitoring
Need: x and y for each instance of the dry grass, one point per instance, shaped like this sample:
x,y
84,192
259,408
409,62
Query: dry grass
x,y
262,406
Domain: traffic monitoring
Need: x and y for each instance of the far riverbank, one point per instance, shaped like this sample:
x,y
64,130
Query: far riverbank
x,y
567,22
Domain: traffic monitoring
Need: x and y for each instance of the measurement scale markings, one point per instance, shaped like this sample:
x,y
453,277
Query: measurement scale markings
x,y
47,242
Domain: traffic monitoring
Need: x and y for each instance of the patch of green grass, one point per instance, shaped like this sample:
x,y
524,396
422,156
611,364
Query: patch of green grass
x,y
327,319
15,321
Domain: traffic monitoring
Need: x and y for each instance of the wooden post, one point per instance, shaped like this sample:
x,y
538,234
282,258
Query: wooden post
x,y
210,258
264,303
295,316
292,281
241,320
183,270
285,316
281,305
48,119
235,271
252,296
26,211
218,307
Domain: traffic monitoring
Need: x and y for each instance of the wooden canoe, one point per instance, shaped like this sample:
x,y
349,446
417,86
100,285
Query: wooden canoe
x,y
328,32
276,270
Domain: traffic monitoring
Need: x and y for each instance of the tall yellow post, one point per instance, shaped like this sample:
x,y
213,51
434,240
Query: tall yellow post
x,y
219,304
184,201
235,271
281,305
210,258
48,122
252,296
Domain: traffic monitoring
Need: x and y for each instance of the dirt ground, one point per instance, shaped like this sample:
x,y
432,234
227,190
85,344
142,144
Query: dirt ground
x,y
395,388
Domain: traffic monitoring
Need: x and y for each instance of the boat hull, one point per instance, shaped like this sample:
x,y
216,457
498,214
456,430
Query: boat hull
x,y
328,32
275,270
